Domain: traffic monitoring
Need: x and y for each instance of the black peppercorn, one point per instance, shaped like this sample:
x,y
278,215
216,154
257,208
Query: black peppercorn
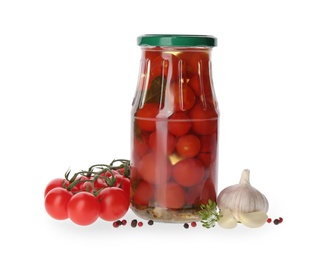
x,y
134,223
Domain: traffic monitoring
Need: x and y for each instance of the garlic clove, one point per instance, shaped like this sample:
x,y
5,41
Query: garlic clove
x,y
227,220
253,219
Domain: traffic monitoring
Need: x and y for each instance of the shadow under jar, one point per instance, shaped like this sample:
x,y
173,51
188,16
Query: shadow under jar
x,y
174,129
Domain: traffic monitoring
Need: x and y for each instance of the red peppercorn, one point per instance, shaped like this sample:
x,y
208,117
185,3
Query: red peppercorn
x,y
193,224
269,220
115,224
140,224
124,222
280,220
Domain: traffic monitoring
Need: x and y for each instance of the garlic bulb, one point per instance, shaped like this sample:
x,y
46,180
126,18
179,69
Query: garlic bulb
x,y
247,205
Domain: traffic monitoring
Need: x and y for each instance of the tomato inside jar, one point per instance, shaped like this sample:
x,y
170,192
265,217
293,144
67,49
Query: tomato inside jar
x,y
174,129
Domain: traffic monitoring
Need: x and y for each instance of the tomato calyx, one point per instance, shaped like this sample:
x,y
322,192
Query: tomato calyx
x,y
123,168
98,177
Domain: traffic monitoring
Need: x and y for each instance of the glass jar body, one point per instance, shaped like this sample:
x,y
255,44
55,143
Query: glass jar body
x,y
174,134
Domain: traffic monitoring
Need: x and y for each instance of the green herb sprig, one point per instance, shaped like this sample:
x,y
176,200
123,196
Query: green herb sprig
x,y
210,214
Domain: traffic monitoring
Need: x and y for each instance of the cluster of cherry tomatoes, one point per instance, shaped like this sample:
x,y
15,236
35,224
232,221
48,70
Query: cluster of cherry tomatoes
x,y
103,191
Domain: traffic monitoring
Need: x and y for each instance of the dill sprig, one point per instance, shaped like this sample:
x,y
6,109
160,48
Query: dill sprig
x,y
210,214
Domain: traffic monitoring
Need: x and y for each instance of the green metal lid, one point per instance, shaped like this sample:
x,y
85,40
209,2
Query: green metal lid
x,y
180,40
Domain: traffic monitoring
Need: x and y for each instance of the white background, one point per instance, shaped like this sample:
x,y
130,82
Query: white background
x,y
68,72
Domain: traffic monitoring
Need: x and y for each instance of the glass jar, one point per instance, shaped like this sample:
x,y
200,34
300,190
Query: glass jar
x,y
174,129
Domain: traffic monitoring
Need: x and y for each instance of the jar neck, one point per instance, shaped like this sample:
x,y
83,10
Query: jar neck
x,y
179,52
176,62
175,78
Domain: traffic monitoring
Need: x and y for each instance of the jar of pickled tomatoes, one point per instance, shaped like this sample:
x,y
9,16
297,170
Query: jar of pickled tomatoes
x,y
174,128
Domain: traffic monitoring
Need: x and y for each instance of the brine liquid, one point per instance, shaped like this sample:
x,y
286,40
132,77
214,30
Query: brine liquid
x,y
171,176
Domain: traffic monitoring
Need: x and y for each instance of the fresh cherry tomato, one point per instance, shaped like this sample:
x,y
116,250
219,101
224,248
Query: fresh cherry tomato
x,y
87,186
188,172
170,195
81,181
142,193
188,145
145,116
162,143
99,182
179,123
58,182
120,171
123,183
83,208
114,203
56,203
125,171
205,119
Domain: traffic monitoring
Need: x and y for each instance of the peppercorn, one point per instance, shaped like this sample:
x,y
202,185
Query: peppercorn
x,y
280,219
276,221
186,225
193,224
116,224
140,223
134,223
150,222
269,220
124,222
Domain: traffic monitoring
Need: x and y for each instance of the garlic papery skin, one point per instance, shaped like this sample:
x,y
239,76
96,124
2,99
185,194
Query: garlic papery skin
x,y
242,198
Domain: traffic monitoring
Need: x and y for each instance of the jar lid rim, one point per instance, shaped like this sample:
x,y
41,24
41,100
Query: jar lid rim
x,y
180,40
